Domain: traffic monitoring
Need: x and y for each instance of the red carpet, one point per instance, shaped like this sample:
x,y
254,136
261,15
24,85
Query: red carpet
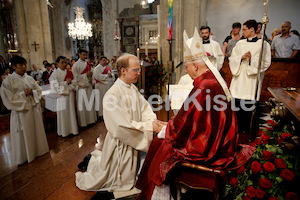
x,y
4,124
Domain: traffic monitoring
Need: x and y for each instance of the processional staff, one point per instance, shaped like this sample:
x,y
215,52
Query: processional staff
x,y
264,22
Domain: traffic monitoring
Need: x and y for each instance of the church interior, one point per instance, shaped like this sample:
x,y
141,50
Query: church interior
x,y
152,30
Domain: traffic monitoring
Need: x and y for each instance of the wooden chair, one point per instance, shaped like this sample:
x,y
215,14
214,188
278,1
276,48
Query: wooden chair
x,y
200,178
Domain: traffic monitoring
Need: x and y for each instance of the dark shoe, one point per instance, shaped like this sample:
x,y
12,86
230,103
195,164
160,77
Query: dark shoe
x,y
103,195
83,165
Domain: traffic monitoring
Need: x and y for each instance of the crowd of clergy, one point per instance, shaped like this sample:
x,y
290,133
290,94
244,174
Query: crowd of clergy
x,y
191,135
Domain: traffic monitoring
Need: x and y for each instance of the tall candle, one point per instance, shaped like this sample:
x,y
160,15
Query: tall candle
x,y
146,50
138,53
170,20
158,49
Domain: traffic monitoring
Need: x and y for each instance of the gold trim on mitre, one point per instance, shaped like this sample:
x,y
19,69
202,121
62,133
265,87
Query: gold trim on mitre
x,y
195,57
193,47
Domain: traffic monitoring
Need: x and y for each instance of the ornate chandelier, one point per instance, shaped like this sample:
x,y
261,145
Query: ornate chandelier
x,y
80,29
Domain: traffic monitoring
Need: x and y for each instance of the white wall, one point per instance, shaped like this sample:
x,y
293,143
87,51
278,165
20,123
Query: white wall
x,y
222,13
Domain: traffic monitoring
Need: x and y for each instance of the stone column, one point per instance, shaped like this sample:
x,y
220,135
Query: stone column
x,y
45,30
33,27
203,10
109,10
22,31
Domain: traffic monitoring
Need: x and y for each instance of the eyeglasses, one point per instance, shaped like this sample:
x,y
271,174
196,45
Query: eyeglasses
x,y
133,70
136,70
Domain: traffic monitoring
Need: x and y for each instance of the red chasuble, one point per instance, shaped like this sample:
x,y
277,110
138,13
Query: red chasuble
x,y
207,137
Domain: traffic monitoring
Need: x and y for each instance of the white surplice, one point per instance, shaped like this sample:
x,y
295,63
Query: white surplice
x,y
244,73
128,118
66,114
217,56
28,137
103,83
85,116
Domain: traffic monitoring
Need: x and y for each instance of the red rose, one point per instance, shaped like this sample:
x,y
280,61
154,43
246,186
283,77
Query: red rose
x,y
271,122
273,198
285,135
241,170
258,141
267,155
252,144
256,167
287,174
261,132
269,167
265,183
260,193
233,182
279,140
250,191
265,138
246,198
291,196
269,128
280,163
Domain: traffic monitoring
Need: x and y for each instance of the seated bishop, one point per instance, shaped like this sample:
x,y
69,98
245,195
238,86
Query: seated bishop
x,y
204,131
62,83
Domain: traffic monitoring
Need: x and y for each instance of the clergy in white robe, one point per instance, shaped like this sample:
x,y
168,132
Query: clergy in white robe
x,y
212,48
129,120
82,72
61,83
104,78
243,63
21,94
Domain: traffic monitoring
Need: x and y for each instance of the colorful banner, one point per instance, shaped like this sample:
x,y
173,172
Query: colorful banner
x,y
170,20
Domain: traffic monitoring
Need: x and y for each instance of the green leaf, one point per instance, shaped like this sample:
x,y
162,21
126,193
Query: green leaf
x,y
272,176
249,182
280,151
270,191
239,197
279,179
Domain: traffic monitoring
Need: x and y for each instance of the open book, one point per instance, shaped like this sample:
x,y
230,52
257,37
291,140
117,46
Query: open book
x,y
178,94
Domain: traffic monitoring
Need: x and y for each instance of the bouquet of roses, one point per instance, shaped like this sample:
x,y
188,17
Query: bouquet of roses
x,y
155,74
270,173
